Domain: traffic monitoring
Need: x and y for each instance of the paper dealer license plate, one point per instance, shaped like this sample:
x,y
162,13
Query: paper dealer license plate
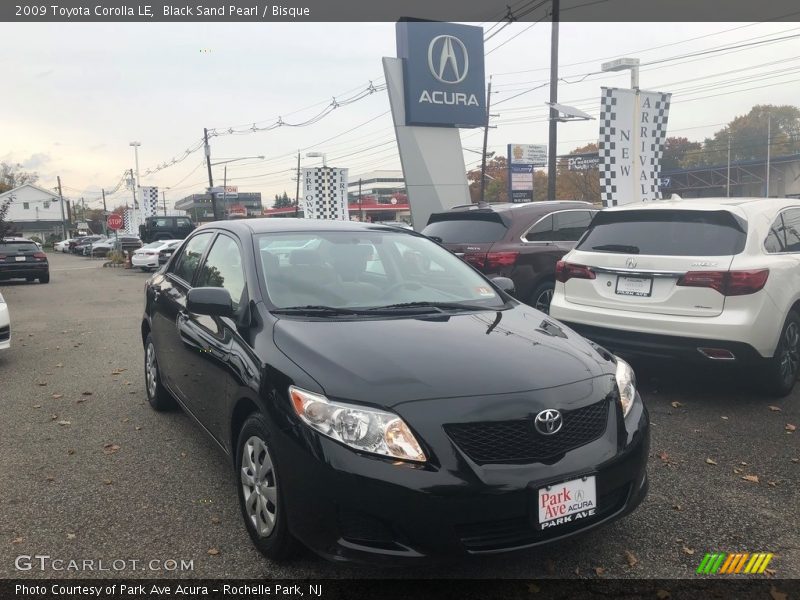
x,y
634,286
567,502
20,259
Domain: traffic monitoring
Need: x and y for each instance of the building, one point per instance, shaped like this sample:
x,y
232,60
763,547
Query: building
x,y
241,204
747,179
35,211
380,186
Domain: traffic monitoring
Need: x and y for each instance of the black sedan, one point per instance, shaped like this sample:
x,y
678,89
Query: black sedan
x,y
383,401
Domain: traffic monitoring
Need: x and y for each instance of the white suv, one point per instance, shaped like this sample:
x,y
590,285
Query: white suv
x,y
709,279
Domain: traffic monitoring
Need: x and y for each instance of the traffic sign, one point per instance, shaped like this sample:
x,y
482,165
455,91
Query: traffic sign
x,y
114,221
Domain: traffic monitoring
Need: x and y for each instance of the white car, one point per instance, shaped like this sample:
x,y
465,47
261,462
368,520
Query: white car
x,y
62,246
146,257
5,325
708,279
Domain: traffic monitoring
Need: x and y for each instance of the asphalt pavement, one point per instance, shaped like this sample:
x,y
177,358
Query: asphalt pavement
x,y
90,472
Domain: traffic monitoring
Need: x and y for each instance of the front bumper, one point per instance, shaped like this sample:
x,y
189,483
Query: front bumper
x,y
352,507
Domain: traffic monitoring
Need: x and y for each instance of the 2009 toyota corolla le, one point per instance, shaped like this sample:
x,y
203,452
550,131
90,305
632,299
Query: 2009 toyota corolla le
x,y
383,401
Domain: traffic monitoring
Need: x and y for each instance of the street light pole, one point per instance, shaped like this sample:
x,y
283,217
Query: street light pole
x,y
553,139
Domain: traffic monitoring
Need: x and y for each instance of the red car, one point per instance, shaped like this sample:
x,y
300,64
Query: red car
x,y
520,241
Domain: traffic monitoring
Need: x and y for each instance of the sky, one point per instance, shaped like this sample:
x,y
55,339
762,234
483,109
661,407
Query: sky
x,y
76,94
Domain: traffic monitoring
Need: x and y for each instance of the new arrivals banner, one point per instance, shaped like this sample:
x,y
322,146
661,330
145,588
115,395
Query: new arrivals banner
x,y
633,127
325,194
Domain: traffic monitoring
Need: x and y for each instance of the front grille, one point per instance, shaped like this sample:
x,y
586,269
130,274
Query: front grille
x,y
493,536
5,333
517,441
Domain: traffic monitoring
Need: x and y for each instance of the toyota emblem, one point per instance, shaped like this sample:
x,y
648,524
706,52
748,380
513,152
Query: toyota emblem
x,y
548,421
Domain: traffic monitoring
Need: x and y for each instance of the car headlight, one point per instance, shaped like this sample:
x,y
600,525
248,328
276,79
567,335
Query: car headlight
x,y
361,428
626,382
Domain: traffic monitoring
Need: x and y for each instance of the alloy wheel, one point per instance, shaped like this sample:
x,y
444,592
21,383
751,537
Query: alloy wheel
x,y
790,356
151,370
259,486
543,301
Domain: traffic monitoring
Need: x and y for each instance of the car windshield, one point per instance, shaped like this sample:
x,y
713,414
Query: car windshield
x,y
367,270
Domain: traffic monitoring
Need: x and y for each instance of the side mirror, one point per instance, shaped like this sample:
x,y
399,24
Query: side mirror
x,y
211,301
505,284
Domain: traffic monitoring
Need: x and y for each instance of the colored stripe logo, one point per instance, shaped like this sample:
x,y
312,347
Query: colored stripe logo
x,y
722,563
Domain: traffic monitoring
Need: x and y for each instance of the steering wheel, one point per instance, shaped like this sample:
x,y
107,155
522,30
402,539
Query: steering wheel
x,y
310,288
401,285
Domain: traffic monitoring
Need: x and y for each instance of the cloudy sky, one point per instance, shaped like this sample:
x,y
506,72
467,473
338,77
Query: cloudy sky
x,y
76,94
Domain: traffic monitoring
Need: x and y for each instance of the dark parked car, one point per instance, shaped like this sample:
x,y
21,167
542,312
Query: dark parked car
x,y
85,243
520,241
21,258
382,401
165,228
164,255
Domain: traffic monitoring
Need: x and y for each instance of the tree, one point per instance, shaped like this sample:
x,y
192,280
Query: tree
x,y
6,227
12,176
578,185
496,181
680,153
282,201
748,136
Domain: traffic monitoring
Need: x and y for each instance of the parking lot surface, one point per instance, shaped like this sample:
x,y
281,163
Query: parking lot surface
x,y
90,472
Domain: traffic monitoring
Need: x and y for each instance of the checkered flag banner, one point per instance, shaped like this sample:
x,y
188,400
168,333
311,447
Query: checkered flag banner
x,y
128,226
325,194
149,201
633,128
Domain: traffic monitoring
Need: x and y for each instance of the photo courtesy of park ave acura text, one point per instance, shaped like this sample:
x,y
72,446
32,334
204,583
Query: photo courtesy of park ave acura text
x,y
429,299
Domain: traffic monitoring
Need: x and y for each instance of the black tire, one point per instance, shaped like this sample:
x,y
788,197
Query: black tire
x,y
44,278
277,543
779,373
158,396
542,295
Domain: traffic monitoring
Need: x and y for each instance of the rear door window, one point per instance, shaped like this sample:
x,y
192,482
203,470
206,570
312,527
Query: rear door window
x,y
475,229
791,229
666,233
570,224
542,231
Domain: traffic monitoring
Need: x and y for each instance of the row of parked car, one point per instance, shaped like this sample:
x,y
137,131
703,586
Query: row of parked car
x,y
714,280
144,256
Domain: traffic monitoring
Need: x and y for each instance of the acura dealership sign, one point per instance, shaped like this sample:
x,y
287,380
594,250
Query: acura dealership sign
x,y
443,73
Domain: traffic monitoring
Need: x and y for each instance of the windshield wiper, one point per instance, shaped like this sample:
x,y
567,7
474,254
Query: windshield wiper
x,y
617,248
313,309
441,306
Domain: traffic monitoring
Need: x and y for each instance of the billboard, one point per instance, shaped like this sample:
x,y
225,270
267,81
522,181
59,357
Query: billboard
x,y
443,73
582,162
532,154
633,127
325,193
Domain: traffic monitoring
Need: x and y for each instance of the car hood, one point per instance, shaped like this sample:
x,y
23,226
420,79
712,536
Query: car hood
x,y
388,361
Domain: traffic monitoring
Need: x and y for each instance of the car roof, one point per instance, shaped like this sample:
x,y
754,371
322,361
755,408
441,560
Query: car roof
x,y
277,225
743,206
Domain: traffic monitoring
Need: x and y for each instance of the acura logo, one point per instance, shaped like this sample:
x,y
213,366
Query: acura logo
x,y
548,421
448,59
630,263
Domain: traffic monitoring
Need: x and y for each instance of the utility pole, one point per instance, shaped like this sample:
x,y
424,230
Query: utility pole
x,y
225,190
164,199
61,201
485,141
728,184
553,141
133,188
769,144
360,203
210,177
297,190
105,214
